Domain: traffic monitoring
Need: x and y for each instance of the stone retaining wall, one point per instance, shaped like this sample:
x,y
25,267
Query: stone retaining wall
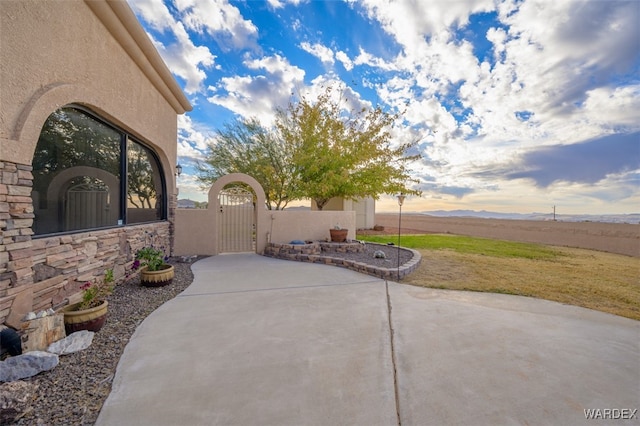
x,y
290,251
40,273
312,253
56,267
341,247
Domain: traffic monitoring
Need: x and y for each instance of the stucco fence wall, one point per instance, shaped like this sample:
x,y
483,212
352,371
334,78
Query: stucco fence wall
x,y
617,238
196,233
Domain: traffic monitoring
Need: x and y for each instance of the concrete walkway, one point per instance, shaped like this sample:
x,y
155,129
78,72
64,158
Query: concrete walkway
x,y
261,341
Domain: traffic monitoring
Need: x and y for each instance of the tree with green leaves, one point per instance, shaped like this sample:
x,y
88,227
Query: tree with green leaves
x,y
244,146
339,153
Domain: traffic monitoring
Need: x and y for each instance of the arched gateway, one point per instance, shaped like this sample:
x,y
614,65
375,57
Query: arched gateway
x,y
238,214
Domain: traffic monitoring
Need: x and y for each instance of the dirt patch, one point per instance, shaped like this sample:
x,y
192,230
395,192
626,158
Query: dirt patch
x,y
440,269
617,238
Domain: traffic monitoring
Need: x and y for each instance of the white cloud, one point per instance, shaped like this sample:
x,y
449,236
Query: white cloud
x,y
319,51
365,58
296,24
545,65
192,140
410,21
183,57
565,49
620,105
221,20
342,93
186,60
345,60
190,188
154,13
259,96
279,4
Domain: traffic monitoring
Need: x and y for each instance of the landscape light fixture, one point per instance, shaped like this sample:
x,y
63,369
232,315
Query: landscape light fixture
x,y
178,170
401,198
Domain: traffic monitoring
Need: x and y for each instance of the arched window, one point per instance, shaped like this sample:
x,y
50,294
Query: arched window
x,y
144,192
88,174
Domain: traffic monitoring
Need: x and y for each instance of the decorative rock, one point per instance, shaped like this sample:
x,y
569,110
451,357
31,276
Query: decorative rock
x,y
297,242
75,342
379,254
15,400
27,365
30,316
39,333
188,259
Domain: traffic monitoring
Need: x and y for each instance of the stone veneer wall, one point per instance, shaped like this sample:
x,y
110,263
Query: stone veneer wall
x,y
41,273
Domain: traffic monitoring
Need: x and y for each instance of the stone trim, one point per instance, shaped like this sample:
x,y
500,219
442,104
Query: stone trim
x,y
312,253
37,274
53,268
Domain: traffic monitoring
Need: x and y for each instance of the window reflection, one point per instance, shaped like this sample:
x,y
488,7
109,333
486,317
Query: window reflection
x,y
144,192
78,172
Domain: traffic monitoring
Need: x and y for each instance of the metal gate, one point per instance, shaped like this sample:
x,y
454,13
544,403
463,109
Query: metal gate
x,y
87,206
236,227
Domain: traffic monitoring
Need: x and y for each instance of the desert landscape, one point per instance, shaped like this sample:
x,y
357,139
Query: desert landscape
x,y
619,238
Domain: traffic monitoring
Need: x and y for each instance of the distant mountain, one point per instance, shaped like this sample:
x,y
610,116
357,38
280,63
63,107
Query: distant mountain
x,y
610,218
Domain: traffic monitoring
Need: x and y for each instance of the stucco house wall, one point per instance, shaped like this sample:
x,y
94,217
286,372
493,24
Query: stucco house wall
x,y
95,54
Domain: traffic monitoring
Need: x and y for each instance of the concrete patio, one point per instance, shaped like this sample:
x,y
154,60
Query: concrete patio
x,y
261,341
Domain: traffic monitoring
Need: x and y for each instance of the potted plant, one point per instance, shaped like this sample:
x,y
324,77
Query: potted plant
x,y
154,271
91,313
338,235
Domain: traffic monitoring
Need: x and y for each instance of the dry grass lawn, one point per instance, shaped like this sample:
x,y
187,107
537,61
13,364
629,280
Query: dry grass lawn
x,y
591,279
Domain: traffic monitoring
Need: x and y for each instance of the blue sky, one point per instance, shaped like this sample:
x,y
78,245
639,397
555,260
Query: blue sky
x,y
516,105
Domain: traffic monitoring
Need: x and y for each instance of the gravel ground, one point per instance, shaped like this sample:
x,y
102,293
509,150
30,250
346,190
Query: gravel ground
x,y
74,391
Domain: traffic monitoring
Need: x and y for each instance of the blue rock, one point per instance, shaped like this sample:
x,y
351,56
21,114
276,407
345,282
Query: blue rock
x,y
26,365
297,242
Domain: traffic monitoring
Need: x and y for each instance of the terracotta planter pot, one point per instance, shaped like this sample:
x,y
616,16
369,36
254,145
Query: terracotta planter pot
x,y
91,319
338,235
159,278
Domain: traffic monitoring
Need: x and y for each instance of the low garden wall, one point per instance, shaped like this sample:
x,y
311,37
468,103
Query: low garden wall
x,y
328,254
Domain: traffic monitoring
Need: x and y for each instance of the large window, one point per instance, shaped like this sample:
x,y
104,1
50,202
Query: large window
x,y
88,174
